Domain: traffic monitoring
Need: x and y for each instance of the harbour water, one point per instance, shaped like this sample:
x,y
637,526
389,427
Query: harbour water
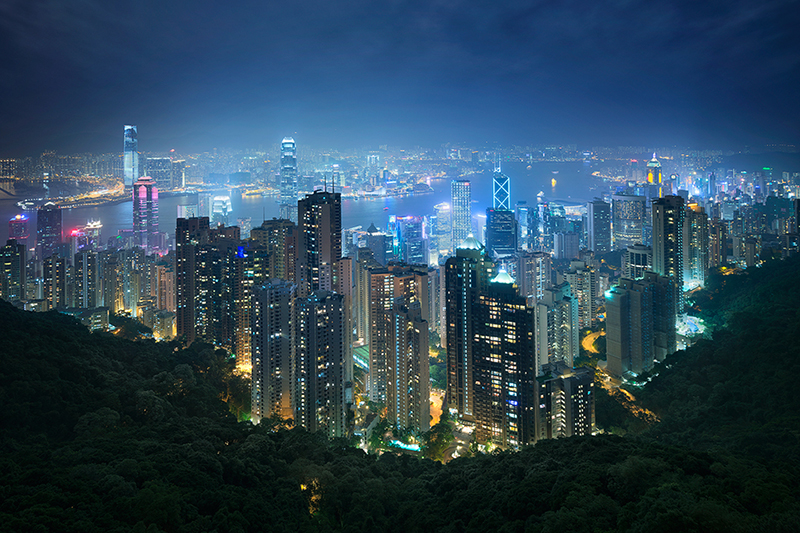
x,y
574,184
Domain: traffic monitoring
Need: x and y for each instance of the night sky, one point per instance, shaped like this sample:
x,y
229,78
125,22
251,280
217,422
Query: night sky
x,y
346,74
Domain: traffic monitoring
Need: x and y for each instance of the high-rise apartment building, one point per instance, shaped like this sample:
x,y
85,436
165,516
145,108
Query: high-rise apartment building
x,y
466,276
192,278
54,281
288,187
503,373
271,384
565,402
566,245
319,244
668,231
409,388
534,275
695,246
640,323
628,218
461,195
718,253
85,279
582,279
318,358
557,330
13,273
145,214
274,250
130,155
637,260
48,229
598,227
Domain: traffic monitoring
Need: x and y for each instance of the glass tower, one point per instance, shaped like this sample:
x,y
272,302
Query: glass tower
x,y
130,159
288,197
145,213
462,211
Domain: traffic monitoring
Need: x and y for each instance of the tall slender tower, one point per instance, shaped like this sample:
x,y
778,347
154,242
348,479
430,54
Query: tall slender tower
x,y
145,213
668,220
191,284
320,241
130,155
462,211
288,197
501,190
598,228
48,229
318,359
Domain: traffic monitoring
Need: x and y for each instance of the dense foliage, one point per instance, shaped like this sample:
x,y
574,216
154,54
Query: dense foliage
x,y
103,434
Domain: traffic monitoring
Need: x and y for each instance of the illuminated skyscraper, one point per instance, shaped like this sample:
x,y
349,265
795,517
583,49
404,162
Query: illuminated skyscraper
x,y
501,190
18,229
501,233
48,229
288,196
319,244
442,230
636,261
598,228
654,174
695,246
13,259
557,329
628,220
565,402
412,240
85,279
130,156
668,220
145,214
318,359
534,275
462,211
466,275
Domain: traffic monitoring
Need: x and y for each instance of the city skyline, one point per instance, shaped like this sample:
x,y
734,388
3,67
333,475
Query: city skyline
x,y
618,74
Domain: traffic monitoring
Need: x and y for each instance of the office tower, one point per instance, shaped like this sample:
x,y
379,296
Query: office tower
x,y
288,195
319,241
461,200
598,229
85,278
130,156
504,374
271,383
54,281
695,246
566,245
640,323
583,283
534,275
318,359
637,259
178,174
412,240
522,214
628,216
408,402
380,243
718,255
466,276
13,276
145,213
221,208
668,221
48,229
557,330
160,170
654,174
442,230
501,234
191,287
501,191
565,402
18,229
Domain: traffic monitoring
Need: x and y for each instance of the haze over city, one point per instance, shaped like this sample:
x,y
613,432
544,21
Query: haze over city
x,y
197,75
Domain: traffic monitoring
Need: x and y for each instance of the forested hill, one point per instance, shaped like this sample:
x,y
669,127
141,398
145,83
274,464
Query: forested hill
x,y
104,434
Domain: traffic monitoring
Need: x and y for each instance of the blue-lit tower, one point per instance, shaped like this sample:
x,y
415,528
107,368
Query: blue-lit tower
x,y
288,197
130,155
501,190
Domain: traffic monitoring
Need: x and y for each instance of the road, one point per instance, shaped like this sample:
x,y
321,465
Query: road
x,y
588,341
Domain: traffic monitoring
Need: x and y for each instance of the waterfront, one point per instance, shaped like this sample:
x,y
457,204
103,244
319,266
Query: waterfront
x,y
574,184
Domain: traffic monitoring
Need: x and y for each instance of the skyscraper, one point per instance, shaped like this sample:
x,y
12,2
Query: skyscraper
x,y
582,279
145,214
461,195
668,221
598,228
466,276
272,351
318,356
13,260
288,196
501,191
503,373
409,392
718,255
534,275
412,240
191,287
501,233
130,155
565,402
319,241
48,229
18,229
556,315
85,278
695,246
160,169
628,220
637,259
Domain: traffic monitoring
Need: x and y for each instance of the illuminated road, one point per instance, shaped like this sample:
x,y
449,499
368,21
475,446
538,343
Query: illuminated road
x,y
588,341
